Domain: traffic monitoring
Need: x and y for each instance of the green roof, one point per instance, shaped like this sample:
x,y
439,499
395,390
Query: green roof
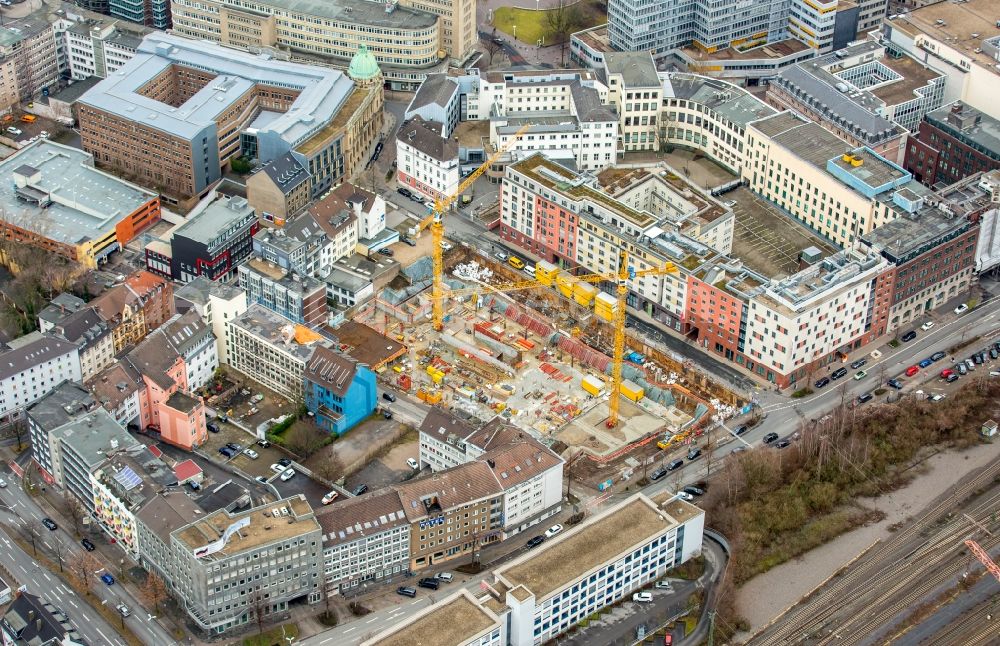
x,y
363,65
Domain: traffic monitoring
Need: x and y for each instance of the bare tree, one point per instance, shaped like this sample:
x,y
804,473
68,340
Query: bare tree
x,y
257,605
73,510
31,534
561,22
880,374
493,46
709,451
154,591
59,551
304,438
82,568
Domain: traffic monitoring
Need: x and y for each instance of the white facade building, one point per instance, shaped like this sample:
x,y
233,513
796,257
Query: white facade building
x,y
261,345
217,304
34,365
192,338
97,49
427,163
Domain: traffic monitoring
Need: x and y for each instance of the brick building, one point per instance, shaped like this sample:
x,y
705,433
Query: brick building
x,y
141,304
952,143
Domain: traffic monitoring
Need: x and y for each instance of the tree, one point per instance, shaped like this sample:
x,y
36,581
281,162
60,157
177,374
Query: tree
x,y
493,46
241,165
304,438
31,534
257,605
82,569
59,551
73,510
561,22
154,591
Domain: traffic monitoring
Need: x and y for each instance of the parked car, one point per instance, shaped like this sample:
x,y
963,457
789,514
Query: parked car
x,y
3,483
659,473
501,256
285,462
926,326
226,451
951,378
838,373
781,444
552,531
859,375
330,497
14,131
250,453
277,467
739,449
530,270
406,591
360,489
912,370
994,354
822,382
429,583
408,241
925,362
685,496
947,373
937,356
895,383
389,397
663,585
405,192
970,364
909,336
261,479
858,364
108,579
740,430
386,251
88,545
865,397
413,464
977,358
961,369
212,427
642,597
962,309
693,453
263,444
444,576
233,446
770,437
287,474
534,542
694,491
674,464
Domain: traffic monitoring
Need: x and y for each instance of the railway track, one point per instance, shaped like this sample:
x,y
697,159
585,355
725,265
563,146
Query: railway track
x,y
882,564
973,629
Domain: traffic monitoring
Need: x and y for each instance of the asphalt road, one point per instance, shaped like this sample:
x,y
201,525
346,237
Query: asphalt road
x,y
21,508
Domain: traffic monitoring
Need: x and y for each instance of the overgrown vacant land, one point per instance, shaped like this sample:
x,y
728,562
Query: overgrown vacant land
x,y
774,505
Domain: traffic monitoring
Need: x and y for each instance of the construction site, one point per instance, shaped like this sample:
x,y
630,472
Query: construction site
x,y
541,355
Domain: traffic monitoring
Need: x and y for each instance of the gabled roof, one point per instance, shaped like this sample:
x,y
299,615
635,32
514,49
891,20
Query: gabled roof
x,y
186,469
425,136
285,172
460,485
331,370
84,328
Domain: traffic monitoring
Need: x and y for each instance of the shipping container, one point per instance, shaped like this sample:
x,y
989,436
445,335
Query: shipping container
x,y
566,283
545,272
593,385
605,305
583,293
632,390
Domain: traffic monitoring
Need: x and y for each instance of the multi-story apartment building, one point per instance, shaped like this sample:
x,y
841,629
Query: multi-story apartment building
x,y
216,304
961,41
62,404
297,297
544,592
865,94
270,349
58,201
92,335
119,389
404,40
365,539
931,250
136,307
279,189
191,337
427,162
635,91
98,47
59,308
818,178
709,115
952,143
212,242
229,567
32,365
349,214
29,59
166,118
339,391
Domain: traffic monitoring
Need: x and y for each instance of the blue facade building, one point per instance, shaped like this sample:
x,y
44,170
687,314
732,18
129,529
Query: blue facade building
x,y
339,391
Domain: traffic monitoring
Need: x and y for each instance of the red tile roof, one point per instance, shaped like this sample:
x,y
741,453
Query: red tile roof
x,y
186,469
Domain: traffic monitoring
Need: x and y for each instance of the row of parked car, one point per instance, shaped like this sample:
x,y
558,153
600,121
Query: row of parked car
x,y
429,582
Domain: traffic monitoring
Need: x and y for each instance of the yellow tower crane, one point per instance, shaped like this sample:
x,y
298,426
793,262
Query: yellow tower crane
x,y
436,221
621,280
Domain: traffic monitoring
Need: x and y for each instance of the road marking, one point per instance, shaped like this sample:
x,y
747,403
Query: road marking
x,y
72,603
350,629
327,640
46,575
371,620
102,634
416,601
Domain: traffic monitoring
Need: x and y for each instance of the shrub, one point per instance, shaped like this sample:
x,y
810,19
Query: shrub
x,y
802,392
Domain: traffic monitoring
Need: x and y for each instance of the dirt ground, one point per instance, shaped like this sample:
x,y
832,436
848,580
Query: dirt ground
x,y
367,438
767,595
386,470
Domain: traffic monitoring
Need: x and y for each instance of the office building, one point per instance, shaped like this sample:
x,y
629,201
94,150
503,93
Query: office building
x,y
212,241
457,620
270,349
960,41
229,568
279,189
952,143
57,201
297,297
151,13
62,404
365,539
401,39
32,365
98,46
175,114
635,91
29,65
216,304
339,391
866,94
136,307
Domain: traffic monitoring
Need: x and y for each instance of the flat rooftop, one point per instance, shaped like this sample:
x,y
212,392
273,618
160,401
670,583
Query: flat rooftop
x,y
262,530
83,203
470,134
596,38
365,344
453,621
965,122
873,171
915,76
959,21
734,103
357,11
215,219
770,51
911,233
322,91
271,327
595,542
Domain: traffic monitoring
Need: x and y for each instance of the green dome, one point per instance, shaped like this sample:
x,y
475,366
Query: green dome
x,y
363,66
